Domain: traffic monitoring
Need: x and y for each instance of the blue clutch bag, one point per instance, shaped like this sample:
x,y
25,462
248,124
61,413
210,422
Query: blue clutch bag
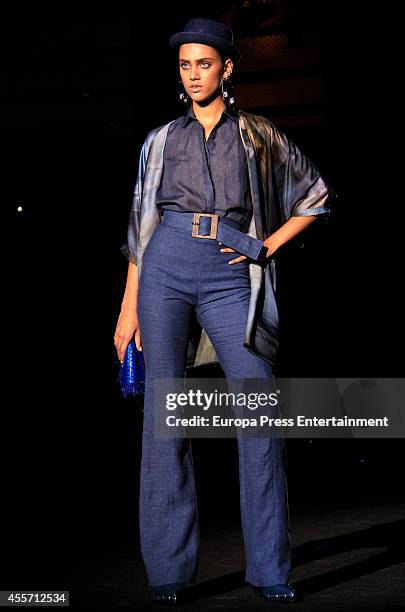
x,y
132,372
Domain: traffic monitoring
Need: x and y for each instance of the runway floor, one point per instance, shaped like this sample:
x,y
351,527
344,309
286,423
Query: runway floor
x,y
347,556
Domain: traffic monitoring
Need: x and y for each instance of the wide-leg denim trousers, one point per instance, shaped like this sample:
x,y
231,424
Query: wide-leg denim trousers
x,y
181,274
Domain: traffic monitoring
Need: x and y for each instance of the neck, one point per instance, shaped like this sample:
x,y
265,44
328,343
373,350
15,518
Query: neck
x,y
210,110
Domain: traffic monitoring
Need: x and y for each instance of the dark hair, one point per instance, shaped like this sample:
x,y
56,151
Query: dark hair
x,y
225,56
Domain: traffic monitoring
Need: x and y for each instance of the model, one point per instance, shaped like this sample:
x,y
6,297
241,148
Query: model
x,y
218,192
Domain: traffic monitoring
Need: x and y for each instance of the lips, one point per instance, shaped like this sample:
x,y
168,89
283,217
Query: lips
x,y
195,87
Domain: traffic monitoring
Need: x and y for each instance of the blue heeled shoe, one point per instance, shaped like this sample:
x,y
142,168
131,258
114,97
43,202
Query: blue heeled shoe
x,y
277,592
168,594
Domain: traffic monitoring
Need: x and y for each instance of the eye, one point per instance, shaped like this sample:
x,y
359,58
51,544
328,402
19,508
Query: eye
x,y
206,65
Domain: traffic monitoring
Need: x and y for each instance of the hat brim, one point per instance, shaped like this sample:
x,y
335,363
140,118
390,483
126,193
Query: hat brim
x,y
206,39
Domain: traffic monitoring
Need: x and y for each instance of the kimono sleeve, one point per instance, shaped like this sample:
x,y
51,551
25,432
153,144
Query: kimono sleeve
x,y
301,189
129,249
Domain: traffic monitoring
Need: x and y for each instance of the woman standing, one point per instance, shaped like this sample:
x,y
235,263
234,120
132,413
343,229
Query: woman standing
x,y
218,192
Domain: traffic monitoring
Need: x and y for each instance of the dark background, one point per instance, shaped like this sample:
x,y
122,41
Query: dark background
x,y
81,89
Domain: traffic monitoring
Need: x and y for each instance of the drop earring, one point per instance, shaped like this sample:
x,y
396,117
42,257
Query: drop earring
x,y
228,93
181,92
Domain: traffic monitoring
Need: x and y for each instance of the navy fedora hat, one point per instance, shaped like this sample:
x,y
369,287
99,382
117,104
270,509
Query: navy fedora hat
x,y
207,32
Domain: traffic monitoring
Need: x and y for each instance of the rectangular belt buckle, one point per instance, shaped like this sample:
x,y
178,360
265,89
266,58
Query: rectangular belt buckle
x,y
196,224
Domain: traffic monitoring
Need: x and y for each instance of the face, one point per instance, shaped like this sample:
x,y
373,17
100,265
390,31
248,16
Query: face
x,y
201,70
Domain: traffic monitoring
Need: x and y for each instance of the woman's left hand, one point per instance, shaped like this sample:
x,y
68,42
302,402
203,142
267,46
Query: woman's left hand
x,y
233,261
241,257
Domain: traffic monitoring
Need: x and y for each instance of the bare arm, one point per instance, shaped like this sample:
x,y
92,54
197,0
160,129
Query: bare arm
x,y
292,227
128,325
288,230
130,298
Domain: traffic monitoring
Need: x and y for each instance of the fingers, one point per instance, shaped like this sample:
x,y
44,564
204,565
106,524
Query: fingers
x,y
121,350
138,341
121,342
229,250
238,260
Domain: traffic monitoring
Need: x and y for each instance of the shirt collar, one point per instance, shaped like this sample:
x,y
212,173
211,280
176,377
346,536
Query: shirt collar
x,y
190,115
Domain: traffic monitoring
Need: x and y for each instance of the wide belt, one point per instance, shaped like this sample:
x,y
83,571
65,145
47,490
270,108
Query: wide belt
x,y
224,230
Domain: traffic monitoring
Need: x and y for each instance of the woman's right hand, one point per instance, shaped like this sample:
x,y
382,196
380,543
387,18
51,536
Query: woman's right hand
x,y
127,328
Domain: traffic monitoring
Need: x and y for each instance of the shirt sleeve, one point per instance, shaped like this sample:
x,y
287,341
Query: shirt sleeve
x,y
129,249
301,189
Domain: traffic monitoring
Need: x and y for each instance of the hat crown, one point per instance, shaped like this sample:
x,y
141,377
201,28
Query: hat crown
x,y
209,32
209,26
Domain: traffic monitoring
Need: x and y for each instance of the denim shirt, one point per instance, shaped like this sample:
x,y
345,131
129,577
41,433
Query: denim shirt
x,y
202,175
283,182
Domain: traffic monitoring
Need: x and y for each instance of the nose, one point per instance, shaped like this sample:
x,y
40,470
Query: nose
x,y
194,73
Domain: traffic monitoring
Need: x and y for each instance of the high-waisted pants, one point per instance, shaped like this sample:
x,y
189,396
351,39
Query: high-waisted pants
x,y
181,274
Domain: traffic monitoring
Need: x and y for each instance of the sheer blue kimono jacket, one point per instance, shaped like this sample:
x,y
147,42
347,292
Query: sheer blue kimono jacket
x,y
283,183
